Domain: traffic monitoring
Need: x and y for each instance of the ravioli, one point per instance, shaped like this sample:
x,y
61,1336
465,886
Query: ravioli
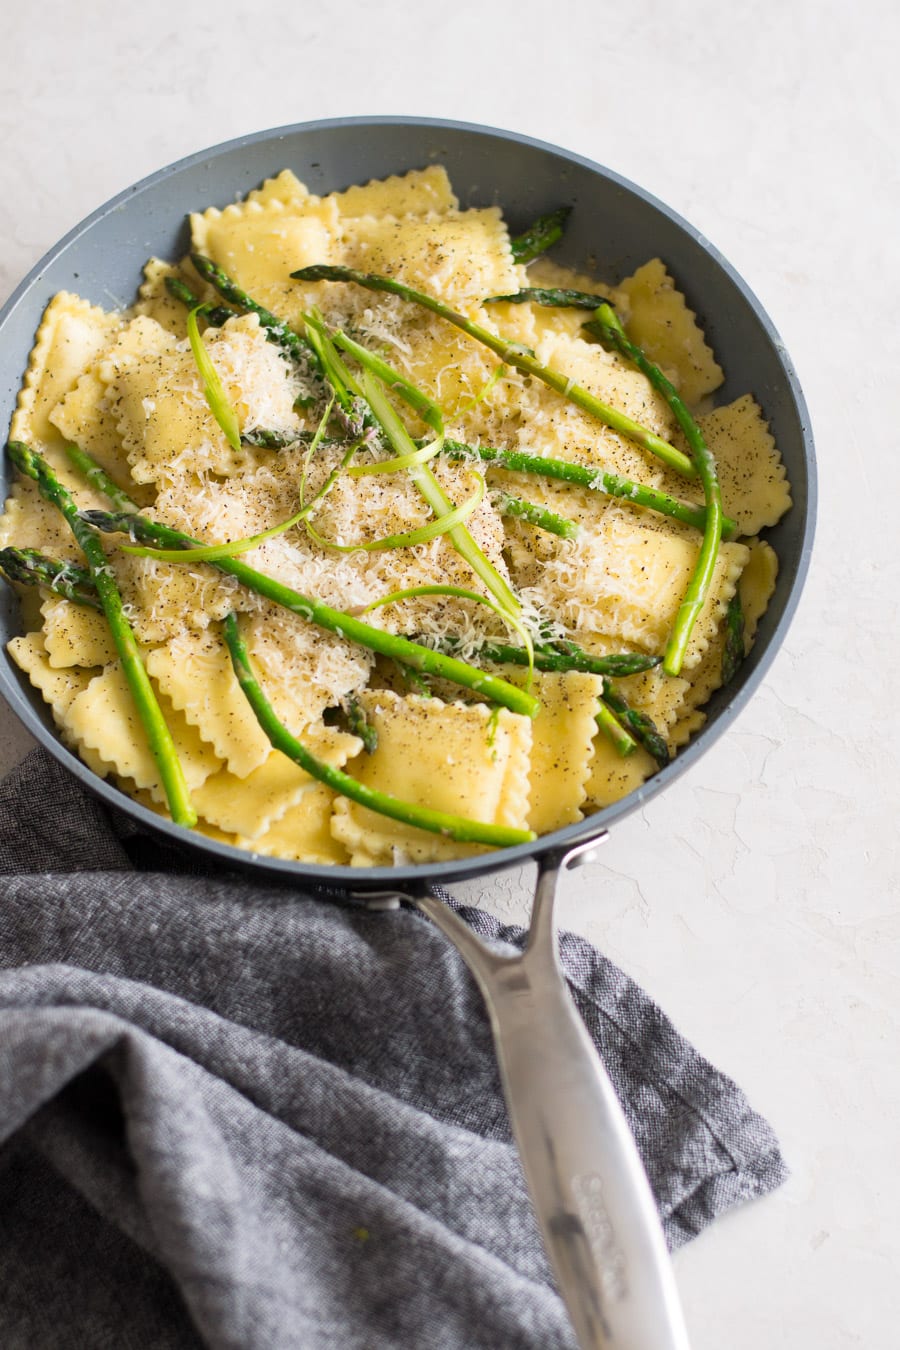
x,y
126,387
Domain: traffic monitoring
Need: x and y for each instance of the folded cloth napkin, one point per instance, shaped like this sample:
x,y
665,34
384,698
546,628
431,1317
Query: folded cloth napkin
x,y
235,1115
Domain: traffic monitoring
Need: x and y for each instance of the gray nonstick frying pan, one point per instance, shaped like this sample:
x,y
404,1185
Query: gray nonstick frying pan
x,y
590,1193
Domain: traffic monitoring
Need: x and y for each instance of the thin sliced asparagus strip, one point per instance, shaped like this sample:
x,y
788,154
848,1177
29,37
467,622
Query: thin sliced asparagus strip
x,y
98,478
213,389
540,235
539,516
641,727
598,480
733,651
295,347
606,326
278,331
566,656
606,720
513,354
30,568
158,735
422,817
141,530
558,297
507,603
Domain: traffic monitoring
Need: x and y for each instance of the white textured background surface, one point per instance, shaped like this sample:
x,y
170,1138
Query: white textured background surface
x,y
760,900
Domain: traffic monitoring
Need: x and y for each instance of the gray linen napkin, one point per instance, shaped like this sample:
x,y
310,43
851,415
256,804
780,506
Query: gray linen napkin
x,y
235,1115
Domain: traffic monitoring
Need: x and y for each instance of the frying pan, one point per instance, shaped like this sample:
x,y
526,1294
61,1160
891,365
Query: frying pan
x,y
591,1196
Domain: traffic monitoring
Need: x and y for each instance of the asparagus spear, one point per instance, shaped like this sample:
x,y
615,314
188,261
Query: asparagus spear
x,y
158,735
540,516
568,656
642,727
276,329
352,717
540,236
31,568
417,683
607,327
97,476
623,724
733,652
144,531
423,817
215,315
552,297
565,655
608,723
518,461
360,726
264,439
513,354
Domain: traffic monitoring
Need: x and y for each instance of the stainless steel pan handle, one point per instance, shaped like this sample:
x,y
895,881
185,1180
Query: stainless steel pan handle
x,y
590,1192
